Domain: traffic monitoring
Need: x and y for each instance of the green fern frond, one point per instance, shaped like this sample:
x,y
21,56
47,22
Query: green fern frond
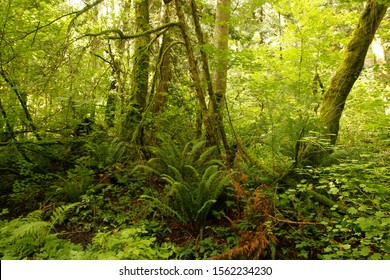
x,y
31,228
176,173
205,157
202,213
59,214
166,209
210,176
117,150
169,154
210,172
195,179
195,172
196,150
146,168
213,162
171,181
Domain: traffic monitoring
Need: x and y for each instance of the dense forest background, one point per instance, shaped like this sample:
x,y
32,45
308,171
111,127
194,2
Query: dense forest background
x,y
194,129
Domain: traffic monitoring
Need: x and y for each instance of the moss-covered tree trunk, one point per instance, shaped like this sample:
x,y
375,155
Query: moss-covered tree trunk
x,y
349,70
221,43
140,77
195,75
214,107
164,65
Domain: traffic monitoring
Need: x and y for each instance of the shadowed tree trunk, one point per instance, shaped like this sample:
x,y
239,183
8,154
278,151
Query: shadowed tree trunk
x,y
349,70
164,65
111,105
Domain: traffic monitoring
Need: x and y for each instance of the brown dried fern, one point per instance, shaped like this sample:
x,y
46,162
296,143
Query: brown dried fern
x,y
252,243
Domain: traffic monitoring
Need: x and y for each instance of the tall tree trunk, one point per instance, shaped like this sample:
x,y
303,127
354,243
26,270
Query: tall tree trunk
x,y
111,104
140,77
164,63
221,43
193,68
349,70
214,107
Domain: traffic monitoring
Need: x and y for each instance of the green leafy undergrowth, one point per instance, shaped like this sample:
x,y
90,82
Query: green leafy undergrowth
x,y
31,237
359,230
219,239
29,188
131,244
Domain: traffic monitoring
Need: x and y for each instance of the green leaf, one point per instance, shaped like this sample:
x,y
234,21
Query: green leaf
x,y
365,251
352,210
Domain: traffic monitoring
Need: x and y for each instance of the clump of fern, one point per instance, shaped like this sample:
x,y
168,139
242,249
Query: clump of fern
x,y
32,237
170,159
195,180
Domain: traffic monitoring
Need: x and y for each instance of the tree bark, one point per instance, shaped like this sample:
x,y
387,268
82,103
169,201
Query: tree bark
x,y
131,129
215,108
164,64
221,43
111,105
350,68
193,68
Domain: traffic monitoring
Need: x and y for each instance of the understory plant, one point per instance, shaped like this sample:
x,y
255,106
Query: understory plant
x,y
194,178
32,237
132,243
357,227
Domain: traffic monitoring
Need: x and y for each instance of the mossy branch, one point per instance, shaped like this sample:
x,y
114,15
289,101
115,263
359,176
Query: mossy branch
x,y
122,36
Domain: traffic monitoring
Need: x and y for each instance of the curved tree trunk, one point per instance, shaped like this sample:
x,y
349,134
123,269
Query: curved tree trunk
x,y
349,70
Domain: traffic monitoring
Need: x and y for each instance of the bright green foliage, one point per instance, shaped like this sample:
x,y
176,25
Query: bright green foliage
x,y
271,96
172,160
30,237
104,155
362,229
128,244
